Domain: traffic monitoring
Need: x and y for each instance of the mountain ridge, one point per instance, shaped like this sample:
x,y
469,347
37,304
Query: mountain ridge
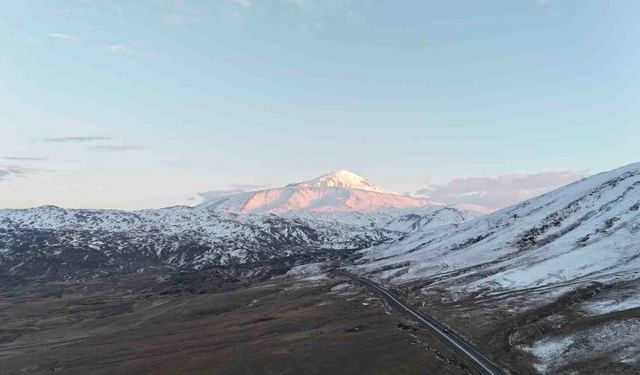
x,y
49,241
565,230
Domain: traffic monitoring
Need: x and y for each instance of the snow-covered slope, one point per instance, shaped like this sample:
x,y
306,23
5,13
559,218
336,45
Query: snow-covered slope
x,y
588,230
393,219
48,239
338,191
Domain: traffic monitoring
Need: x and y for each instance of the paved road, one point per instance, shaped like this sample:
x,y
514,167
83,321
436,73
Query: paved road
x,y
470,353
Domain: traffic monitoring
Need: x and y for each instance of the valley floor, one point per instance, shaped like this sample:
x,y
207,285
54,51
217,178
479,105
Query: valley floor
x,y
129,325
209,322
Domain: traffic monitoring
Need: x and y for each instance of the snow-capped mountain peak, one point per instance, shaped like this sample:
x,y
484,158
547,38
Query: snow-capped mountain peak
x,y
340,191
343,179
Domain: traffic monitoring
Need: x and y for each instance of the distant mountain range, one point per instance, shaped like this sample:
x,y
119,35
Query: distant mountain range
x,y
338,211
588,229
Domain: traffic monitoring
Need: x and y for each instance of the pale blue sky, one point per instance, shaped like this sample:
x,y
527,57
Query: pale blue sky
x,y
191,95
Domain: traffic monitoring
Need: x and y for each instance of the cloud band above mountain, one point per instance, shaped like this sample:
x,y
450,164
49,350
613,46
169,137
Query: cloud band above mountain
x,y
500,191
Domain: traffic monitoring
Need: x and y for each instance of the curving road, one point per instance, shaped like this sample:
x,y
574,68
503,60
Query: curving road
x,y
466,350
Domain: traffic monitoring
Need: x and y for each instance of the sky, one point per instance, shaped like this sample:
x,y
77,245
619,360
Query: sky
x,y
122,104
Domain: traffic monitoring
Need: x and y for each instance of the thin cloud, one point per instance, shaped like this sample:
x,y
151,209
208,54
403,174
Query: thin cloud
x,y
108,147
243,3
179,19
209,195
84,8
237,188
33,41
71,12
180,12
121,48
8,172
76,139
248,187
117,148
24,158
498,192
62,36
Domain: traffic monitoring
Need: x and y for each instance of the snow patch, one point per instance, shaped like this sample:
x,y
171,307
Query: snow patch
x,y
308,272
617,340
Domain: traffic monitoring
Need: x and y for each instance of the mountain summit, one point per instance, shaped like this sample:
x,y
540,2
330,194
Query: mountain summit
x,y
340,191
343,179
